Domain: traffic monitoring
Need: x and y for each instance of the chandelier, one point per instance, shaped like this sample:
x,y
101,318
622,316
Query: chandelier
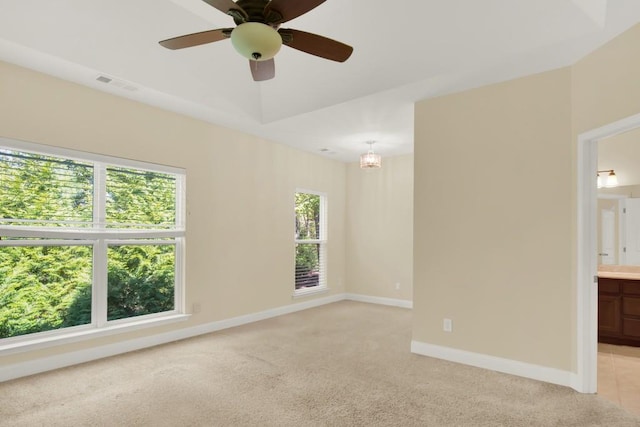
x,y
370,160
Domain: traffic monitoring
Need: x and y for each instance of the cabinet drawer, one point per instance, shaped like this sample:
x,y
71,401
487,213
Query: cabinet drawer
x,y
631,327
608,286
631,306
631,287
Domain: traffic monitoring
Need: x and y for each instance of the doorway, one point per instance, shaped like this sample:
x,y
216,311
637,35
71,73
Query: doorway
x,y
587,251
618,371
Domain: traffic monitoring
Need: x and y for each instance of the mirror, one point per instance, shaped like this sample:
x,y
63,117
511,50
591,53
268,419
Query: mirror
x,y
619,207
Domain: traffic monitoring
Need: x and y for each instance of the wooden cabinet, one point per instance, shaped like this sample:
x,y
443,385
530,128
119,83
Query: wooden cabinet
x,y
609,314
619,311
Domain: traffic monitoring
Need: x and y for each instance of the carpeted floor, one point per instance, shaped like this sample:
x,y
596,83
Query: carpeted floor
x,y
344,364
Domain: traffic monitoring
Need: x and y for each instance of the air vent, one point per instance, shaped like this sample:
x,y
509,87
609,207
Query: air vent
x,y
117,83
326,151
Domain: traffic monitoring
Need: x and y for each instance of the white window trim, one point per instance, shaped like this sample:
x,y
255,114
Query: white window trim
x,y
100,237
301,293
323,286
84,156
74,334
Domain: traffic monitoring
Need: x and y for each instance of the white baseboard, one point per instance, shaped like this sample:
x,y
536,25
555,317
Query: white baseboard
x,y
23,369
507,366
555,376
36,366
577,383
380,300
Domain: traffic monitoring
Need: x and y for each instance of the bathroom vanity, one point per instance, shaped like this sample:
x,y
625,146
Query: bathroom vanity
x,y
619,305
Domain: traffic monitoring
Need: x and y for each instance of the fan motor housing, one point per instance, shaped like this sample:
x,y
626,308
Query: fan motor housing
x,y
255,12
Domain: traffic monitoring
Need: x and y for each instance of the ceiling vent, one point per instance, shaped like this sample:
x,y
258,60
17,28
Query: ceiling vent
x,y
117,83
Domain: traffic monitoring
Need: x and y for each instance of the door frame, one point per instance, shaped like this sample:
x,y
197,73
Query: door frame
x,y
586,380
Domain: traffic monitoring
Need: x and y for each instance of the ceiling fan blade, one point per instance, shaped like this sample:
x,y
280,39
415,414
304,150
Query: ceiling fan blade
x,y
196,39
316,45
263,70
225,6
279,11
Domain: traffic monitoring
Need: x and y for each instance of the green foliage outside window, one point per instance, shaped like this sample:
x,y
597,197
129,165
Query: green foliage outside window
x,y
49,287
37,187
307,228
44,288
138,197
140,280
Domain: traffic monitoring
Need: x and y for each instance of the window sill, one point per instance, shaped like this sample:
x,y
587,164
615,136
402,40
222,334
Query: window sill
x,y
87,334
300,293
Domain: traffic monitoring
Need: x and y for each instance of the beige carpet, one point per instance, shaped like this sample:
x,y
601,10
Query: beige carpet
x,y
345,364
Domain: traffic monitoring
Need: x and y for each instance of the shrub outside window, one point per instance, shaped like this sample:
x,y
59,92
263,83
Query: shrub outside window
x,y
86,241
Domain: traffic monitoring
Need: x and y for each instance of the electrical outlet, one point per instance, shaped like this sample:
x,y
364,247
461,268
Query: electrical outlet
x,y
447,325
397,286
195,308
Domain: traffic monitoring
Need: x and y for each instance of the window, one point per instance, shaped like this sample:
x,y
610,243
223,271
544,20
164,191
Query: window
x,y
311,242
86,242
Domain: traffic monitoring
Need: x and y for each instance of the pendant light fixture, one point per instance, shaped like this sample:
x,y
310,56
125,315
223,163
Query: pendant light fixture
x,y
370,160
610,181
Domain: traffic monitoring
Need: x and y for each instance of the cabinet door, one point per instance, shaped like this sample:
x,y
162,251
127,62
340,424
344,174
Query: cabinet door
x,y
609,315
631,306
631,287
632,328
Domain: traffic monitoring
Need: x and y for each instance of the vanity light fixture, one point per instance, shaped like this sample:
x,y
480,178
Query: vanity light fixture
x,y
610,181
370,160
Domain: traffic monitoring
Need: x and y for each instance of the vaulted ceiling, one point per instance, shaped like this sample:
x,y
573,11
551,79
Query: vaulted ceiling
x,y
404,50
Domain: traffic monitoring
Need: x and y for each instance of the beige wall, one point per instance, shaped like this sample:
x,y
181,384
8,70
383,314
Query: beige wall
x,y
380,229
492,232
495,246
240,191
605,84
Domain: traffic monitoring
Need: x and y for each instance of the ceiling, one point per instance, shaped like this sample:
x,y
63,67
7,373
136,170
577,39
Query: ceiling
x,y
404,50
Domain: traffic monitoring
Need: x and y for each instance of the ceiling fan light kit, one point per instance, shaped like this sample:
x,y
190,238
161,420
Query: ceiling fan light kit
x,y
256,41
257,35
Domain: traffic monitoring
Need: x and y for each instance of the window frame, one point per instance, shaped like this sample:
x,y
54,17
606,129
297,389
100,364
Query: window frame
x,y
98,235
322,286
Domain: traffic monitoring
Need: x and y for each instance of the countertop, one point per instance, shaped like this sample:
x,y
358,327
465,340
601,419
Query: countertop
x,y
629,272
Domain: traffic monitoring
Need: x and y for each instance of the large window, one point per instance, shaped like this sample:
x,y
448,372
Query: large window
x,y
310,241
86,242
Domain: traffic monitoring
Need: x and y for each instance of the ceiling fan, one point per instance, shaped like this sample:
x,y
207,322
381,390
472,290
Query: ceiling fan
x,y
258,36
